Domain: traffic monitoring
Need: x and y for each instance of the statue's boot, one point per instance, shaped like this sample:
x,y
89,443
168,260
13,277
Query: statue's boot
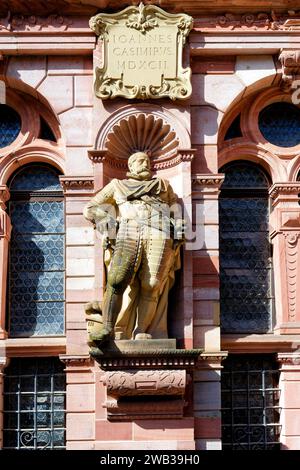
x,y
145,314
111,307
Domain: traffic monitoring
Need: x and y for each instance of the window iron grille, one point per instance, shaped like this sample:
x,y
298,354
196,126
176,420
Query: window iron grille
x,y
250,404
34,405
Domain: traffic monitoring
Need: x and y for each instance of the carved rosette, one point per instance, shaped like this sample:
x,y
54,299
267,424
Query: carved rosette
x,y
144,55
291,247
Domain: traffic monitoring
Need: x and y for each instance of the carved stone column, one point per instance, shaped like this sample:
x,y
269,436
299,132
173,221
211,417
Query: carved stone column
x,y
285,236
5,231
289,400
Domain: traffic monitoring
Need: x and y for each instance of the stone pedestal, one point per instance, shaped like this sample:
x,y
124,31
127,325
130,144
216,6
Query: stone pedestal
x,y
145,379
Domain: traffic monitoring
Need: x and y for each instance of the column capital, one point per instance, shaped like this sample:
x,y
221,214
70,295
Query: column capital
x,y
206,185
289,358
4,196
77,185
4,361
285,192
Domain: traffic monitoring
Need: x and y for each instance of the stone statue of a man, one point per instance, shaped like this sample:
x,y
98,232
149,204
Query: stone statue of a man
x,y
145,252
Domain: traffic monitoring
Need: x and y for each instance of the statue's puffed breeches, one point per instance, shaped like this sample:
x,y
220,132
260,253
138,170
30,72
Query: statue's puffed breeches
x,y
140,249
144,252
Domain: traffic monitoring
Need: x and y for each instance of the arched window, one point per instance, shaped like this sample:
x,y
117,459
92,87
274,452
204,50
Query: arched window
x,y
245,258
36,264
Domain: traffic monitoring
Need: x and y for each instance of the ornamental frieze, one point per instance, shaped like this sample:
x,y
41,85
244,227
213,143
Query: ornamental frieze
x,y
142,54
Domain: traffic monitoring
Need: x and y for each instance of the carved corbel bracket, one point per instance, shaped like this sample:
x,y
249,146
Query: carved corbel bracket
x,y
145,384
290,62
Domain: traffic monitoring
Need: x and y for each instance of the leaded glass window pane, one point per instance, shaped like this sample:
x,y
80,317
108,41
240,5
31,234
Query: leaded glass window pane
x,y
234,130
279,123
250,403
10,125
245,262
36,268
34,404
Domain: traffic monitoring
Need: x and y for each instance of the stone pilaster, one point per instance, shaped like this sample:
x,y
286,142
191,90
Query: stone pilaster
x,y
207,401
285,236
5,231
3,363
290,399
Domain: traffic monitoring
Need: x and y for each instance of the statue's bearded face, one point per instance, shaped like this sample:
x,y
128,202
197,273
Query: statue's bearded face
x,y
140,166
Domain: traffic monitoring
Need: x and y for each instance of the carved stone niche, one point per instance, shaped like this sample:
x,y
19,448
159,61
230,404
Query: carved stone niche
x,y
145,384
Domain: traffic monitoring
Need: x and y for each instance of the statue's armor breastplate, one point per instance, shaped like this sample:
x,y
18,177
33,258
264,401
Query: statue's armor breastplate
x,y
155,215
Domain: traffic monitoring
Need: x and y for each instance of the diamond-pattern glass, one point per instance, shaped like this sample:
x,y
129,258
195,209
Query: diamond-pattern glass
x,y
250,403
10,125
36,277
245,264
35,178
279,123
34,404
244,175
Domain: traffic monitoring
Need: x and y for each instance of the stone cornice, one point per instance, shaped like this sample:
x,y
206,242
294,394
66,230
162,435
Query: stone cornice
x,y
81,362
284,189
289,358
207,180
74,185
246,21
102,156
189,6
162,359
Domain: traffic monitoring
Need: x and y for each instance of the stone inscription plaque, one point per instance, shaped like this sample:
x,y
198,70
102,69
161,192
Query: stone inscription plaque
x,y
142,54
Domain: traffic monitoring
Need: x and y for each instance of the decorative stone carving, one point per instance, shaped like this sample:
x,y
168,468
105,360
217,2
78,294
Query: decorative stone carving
x,y
144,133
158,358
135,394
145,384
285,190
142,54
286,21
289,358
291,246
290,61
207,180
74,186
150,382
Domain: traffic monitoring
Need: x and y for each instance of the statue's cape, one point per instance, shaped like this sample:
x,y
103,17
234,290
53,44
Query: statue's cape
x,y
137,189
